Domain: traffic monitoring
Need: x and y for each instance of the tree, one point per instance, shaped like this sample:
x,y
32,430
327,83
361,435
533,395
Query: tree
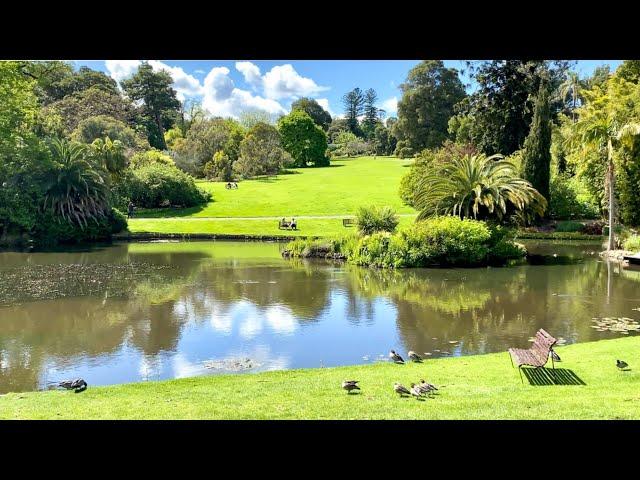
x,y
371,113
428,98
383,142
347,144
353,102
476,186
109,154
501,108
303,139
103,126
629,70
320,116
536,155
571,88
337,125
153,156
77,190
160,105
605,130
220,167
261,153
250,118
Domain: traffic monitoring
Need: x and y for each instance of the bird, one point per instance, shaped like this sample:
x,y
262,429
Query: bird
x,y
395,357
401,389
621,364
79,385
416,391
414,356
349,385
554,356
427,387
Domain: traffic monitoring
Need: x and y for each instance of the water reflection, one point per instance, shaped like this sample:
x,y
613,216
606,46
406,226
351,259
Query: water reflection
x,y
225,300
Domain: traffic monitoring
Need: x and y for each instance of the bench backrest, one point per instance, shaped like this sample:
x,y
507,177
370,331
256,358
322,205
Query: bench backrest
x,y
543,343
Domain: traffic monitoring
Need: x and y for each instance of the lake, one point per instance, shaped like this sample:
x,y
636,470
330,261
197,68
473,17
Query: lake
x,y
146,311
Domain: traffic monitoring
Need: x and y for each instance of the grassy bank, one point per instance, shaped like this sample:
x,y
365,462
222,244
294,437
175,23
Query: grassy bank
x,y
474,387
558,236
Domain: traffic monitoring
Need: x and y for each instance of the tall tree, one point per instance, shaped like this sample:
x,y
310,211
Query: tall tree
x,y
428,98
629,70
305,141
502,105
371,113
536,155
353,102
160,105
571,87
320,116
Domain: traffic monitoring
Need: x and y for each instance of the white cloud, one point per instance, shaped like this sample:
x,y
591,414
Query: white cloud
x,y
251,73
390,106
324,103
202,72
282,81
222,98
121,69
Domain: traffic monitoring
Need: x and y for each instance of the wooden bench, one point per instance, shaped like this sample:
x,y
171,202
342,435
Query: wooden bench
x,y
286,225
536,356
348,221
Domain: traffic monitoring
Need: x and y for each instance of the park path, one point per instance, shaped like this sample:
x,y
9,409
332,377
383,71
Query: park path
x,y
301,217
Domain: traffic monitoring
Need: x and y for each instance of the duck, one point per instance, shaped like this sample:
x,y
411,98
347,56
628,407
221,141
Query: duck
x,y
79,385
349,385
621,364
427,387
416,391
414,356
395,357
401,389
554,356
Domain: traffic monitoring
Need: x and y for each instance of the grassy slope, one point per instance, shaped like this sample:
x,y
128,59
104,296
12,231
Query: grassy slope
x,y
475,387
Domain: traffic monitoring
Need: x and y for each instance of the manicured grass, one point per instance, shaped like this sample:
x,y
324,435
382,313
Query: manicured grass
x,y
336,190
474,387
307,227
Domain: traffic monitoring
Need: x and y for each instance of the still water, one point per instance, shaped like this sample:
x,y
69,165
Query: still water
x,y
148,311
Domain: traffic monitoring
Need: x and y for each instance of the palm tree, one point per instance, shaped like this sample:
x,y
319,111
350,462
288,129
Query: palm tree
x,y
110,154
476,186
606,131
571,86
77,191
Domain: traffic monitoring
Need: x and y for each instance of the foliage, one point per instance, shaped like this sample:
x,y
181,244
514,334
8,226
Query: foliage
x,y
250,118
353,103
348,145
501,108
153,156
384,143
303,139
156,185
476,186
403,150
102,126
536,152
376,219
50,230
204,139
109,155
77,190
629,70
337,126
219,167
173,136
428,98
569,198
160,105
371,114
569,226
320,116
261,153
632,243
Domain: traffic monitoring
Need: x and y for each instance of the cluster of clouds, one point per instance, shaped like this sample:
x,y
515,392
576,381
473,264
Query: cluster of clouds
x,y
221,97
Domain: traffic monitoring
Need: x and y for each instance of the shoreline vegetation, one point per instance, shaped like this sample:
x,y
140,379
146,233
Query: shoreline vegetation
x,y
585,385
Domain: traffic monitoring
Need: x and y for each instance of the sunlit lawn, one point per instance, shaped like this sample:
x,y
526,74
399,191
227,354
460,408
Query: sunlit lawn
x,y
474,387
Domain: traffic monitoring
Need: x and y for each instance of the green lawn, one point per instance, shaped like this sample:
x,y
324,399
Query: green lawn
x,y
311,227
474,387
336,190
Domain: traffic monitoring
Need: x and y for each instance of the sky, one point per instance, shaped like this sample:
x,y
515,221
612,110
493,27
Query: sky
x,y
226,87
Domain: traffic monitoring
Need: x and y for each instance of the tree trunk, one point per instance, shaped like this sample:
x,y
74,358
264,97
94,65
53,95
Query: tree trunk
x,y
611,179
161,130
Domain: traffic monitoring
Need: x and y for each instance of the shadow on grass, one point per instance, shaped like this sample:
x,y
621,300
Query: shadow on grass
x,y
549,376
168,212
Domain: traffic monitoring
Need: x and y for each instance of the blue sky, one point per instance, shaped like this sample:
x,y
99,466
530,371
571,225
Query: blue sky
x,y
227,88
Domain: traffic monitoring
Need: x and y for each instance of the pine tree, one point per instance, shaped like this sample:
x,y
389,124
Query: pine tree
x,y
371,113
536,155
353,102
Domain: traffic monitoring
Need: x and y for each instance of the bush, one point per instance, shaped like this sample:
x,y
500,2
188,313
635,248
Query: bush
x,y
570,199
376,219
569,226
594,228
632,243
154,185
51,230
142,159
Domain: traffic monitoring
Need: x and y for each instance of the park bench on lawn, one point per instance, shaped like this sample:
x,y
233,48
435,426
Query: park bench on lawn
x,y
536,356
286,225
348,221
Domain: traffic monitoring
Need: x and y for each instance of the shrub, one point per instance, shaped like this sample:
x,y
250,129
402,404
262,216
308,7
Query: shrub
x,y
51,230
376,219
569,226
142,159
594,228
632,243
155,185
570,199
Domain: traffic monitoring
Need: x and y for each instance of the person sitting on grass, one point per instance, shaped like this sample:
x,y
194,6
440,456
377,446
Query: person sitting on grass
x,y
293,224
